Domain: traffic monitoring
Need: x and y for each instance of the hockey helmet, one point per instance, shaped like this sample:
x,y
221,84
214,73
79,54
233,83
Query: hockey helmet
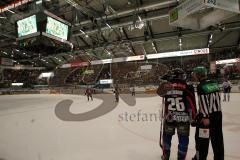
x,y
200,70
178,73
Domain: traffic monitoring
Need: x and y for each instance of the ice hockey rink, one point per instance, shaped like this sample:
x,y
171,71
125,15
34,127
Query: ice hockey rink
x,y
33,127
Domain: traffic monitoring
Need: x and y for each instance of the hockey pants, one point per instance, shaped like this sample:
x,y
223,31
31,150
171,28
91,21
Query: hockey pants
x,y
183,140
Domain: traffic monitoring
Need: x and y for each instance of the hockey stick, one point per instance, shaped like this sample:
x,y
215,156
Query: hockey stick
x,y
162,121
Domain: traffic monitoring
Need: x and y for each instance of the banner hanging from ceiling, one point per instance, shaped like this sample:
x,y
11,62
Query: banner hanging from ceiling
x,y
228,61
194,52
14,5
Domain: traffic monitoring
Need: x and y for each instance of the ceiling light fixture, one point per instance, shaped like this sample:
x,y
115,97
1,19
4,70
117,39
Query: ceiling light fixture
x,y
11,11
154,48
108,52
108,26
84,33
180,41
139,23
210,38
74,4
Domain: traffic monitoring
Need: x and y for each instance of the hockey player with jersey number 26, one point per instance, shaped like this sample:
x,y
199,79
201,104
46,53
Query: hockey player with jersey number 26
x,y
179,109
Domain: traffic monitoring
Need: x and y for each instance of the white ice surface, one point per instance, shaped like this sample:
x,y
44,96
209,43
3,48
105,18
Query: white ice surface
x,y
30,130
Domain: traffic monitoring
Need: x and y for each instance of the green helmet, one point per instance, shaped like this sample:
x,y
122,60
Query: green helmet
x,y
201,70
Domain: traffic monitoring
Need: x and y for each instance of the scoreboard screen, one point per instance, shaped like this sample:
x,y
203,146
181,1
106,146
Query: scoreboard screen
x,y
27,26
57,29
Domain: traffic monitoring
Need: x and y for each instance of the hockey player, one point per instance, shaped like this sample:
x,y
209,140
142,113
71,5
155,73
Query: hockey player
x,y
89,93
180,109
209,124
132,89
116,92
226,90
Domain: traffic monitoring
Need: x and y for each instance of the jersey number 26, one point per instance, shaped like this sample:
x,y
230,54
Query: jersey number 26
x,y
176,104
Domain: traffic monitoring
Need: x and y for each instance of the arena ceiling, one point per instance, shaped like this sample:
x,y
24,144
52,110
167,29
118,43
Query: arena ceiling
x,y
113,28
6,2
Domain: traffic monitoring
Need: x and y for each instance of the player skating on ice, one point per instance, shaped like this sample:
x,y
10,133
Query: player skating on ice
x,y
89,93
116,92
209,124
132,89
179,111
226,90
